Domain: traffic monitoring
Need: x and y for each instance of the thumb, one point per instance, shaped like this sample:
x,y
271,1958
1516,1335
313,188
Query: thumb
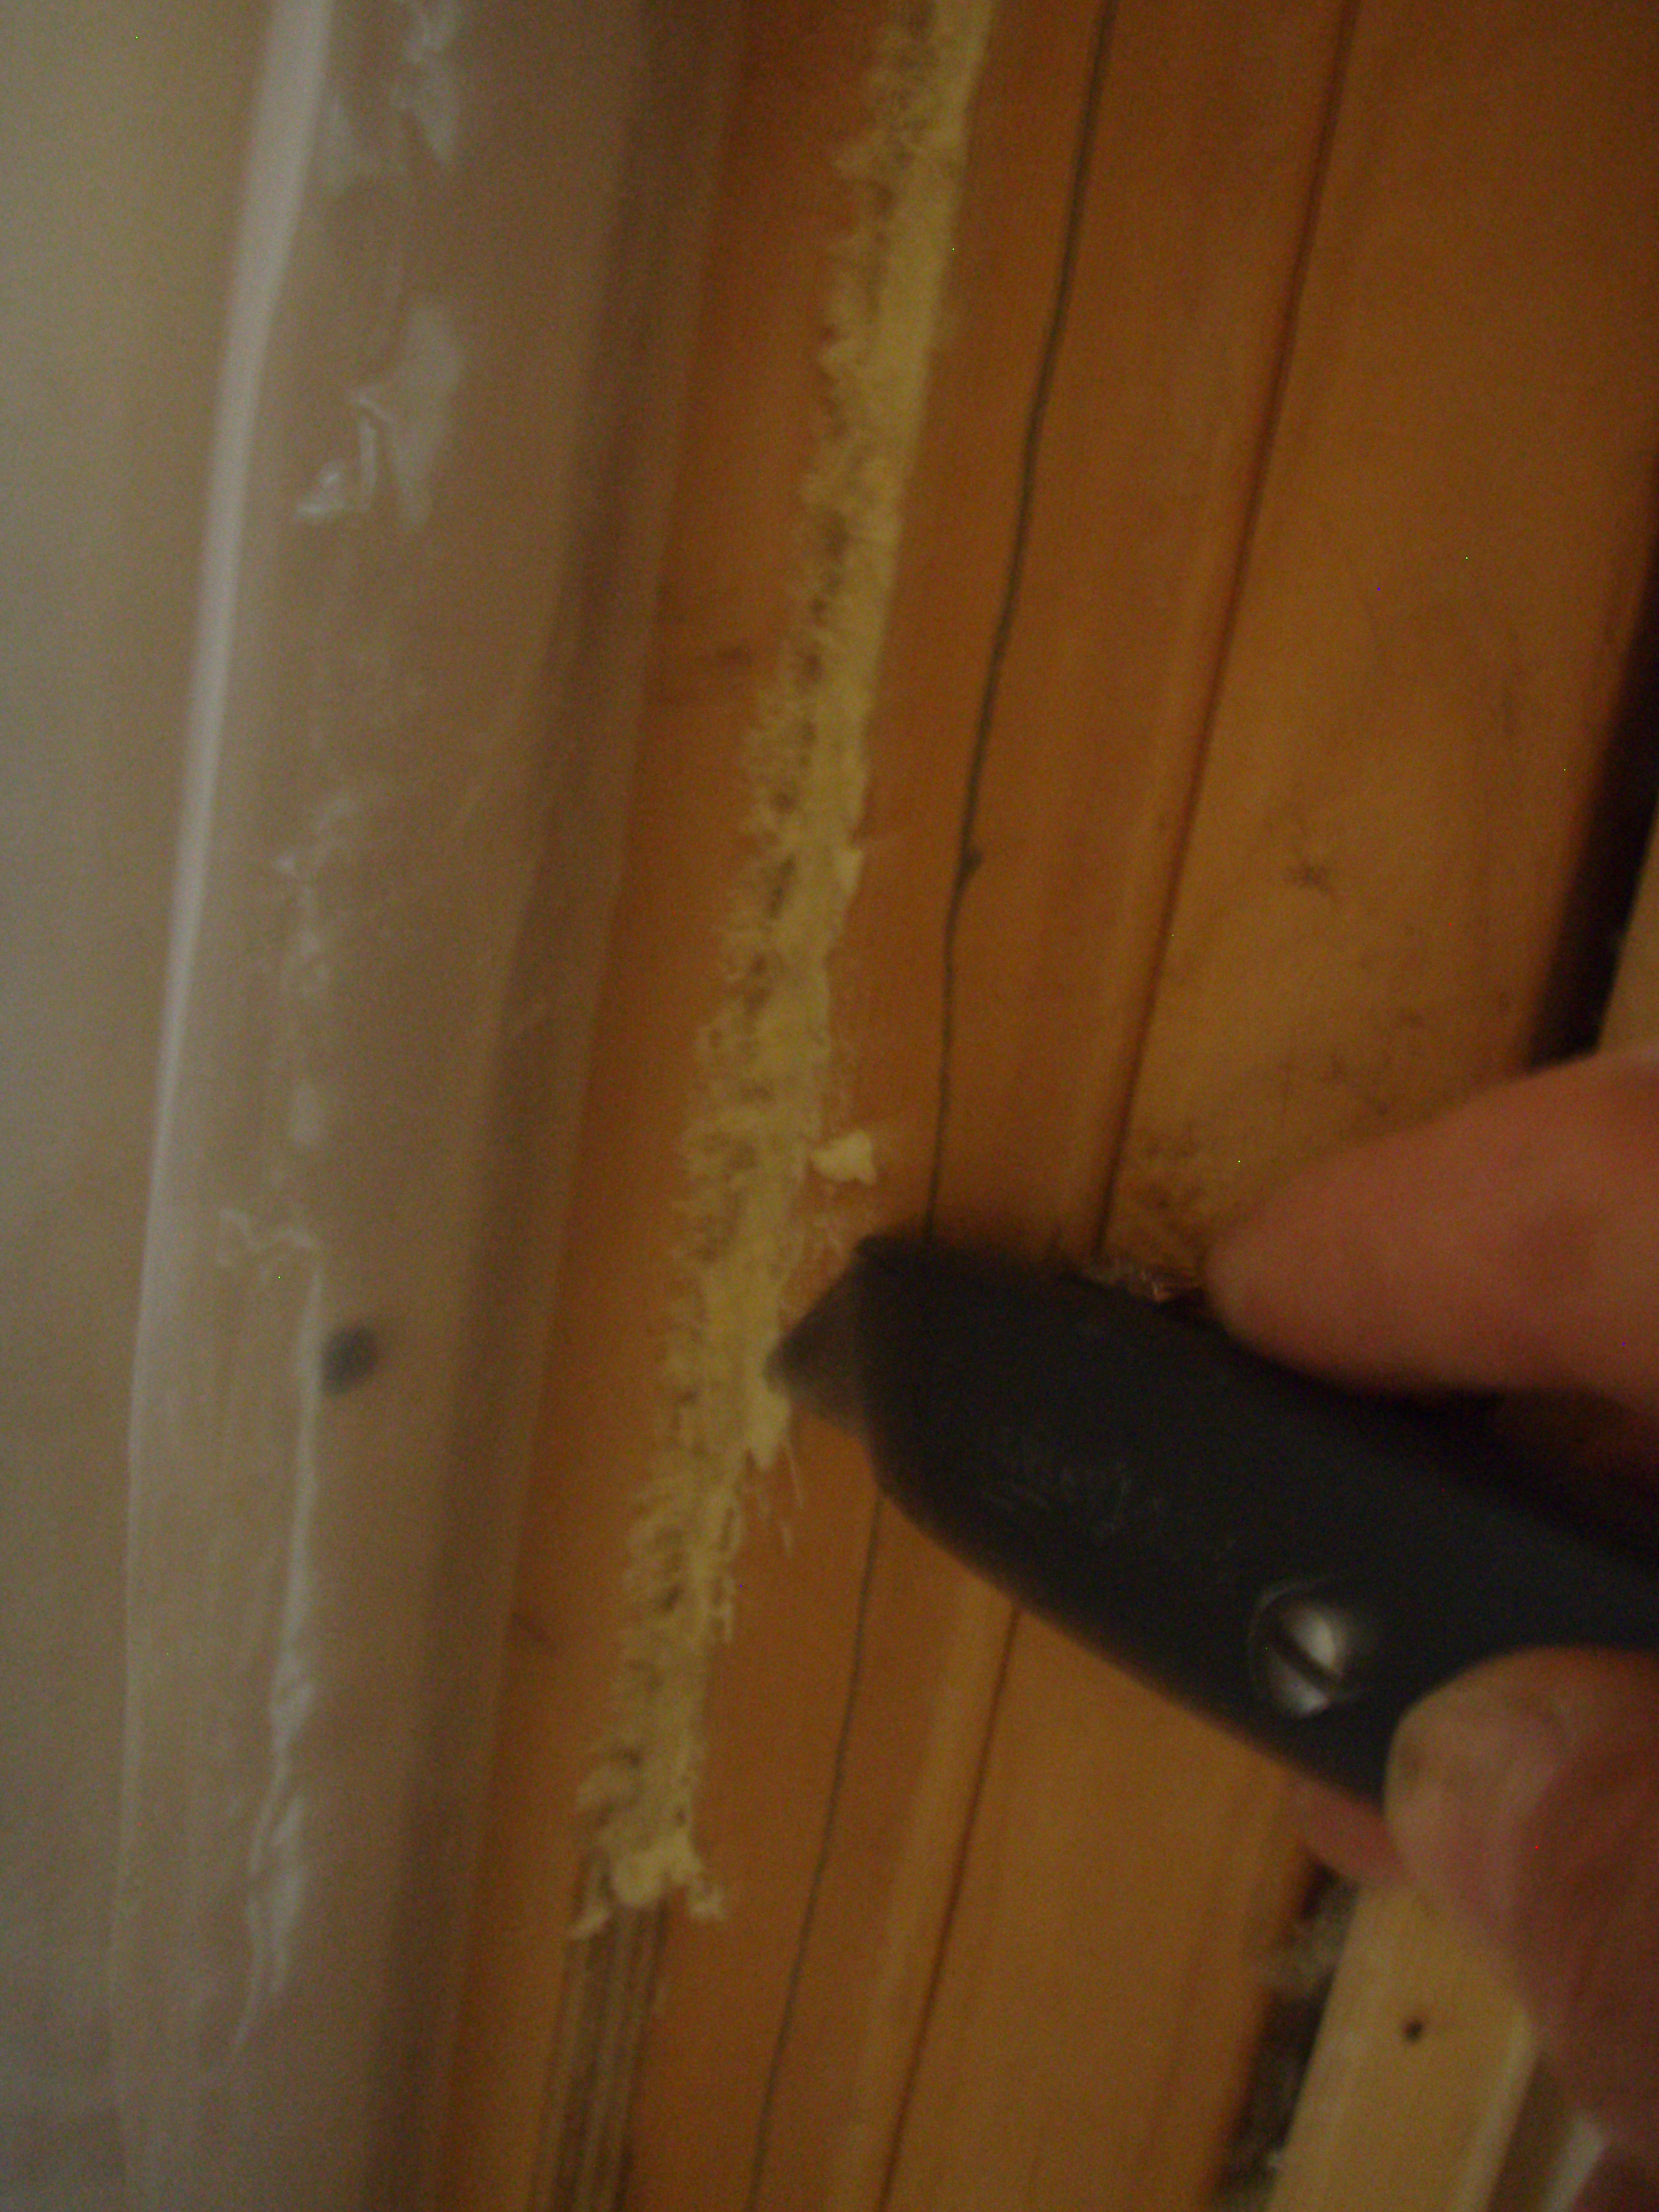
x,y
1524,1798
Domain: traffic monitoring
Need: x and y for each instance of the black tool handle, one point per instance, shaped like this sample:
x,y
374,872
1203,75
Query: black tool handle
x,y
1300,1563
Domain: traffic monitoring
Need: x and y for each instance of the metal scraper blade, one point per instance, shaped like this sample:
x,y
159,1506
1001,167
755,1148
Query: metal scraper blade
x,y
819,1361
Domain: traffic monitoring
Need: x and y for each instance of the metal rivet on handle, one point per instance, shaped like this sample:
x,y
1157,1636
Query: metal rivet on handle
x,y
1307,1651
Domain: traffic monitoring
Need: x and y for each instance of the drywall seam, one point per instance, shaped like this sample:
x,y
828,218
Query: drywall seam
x,y
764,1059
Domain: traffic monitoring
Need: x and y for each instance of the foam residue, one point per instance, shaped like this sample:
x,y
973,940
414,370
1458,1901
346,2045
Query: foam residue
x,y
407,411
850,1157
279,1871
427,89
764,1059
421,95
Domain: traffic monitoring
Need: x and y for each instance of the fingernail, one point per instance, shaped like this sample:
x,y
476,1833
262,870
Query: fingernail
x,y
1468,1767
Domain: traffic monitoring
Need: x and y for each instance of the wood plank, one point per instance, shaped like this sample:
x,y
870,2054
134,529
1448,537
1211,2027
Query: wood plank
x,y
1053,668
721,2120
1152,440
1444,587
724,606
1488,583
1103,1991
1422,2064
1407,745
1144,470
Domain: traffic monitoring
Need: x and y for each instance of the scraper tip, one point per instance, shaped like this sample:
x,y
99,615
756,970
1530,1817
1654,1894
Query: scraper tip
x,y
819,1361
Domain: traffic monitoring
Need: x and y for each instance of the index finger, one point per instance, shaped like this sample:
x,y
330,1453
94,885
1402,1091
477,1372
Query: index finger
x,y
1511,1244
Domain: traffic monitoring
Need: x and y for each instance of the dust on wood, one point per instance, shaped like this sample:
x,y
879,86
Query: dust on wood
x,y
764,1059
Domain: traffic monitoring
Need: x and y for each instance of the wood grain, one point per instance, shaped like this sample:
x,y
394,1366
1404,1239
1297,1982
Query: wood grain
x,y
1053,642
796,2094
1270,562
1104,1986
723,607
1422,2064
1405,748
1441,590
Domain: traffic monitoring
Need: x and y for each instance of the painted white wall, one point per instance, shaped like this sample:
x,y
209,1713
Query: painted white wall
x,y
121,140
342,352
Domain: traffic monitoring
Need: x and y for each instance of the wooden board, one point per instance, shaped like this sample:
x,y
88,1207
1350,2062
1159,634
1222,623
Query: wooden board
x,y
723,607
1446,575
1404,754
1272,552
1422,2064
1059,690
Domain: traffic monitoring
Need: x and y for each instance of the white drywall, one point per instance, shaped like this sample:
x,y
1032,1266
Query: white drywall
x,y
337,393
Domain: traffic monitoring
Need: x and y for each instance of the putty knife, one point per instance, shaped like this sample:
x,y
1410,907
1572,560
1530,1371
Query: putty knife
x,y
1300,1563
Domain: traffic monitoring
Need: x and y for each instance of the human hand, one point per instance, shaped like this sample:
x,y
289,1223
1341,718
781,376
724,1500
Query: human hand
x,y
1511,1245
